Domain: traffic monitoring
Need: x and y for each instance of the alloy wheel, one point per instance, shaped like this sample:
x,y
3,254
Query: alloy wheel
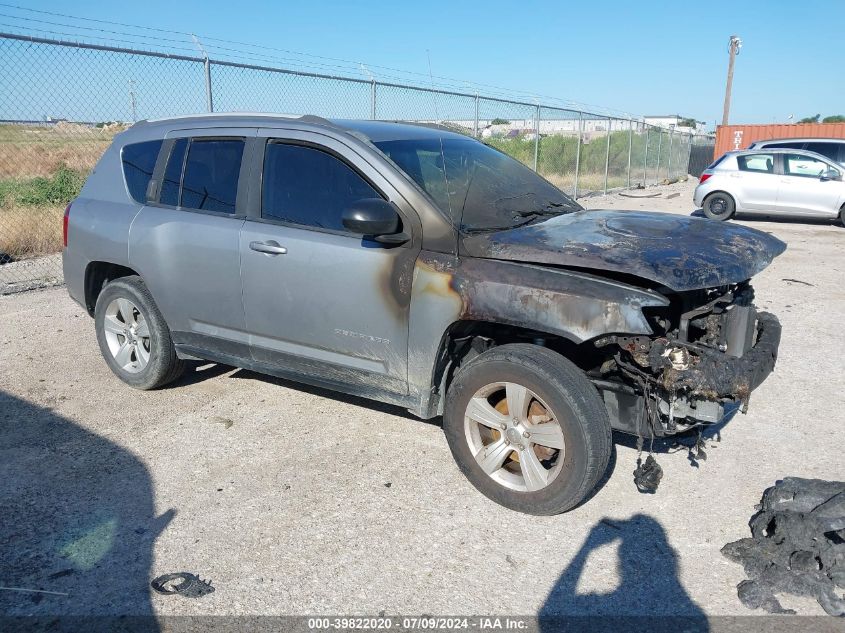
x,y
514,436
127,335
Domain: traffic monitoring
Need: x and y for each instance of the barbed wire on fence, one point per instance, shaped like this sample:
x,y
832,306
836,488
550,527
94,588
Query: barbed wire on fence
x,y
62,101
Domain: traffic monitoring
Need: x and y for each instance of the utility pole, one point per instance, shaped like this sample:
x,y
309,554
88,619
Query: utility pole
x,y
733,50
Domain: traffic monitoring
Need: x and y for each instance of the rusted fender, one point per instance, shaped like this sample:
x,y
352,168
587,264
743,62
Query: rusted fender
x,y
569,304
679,252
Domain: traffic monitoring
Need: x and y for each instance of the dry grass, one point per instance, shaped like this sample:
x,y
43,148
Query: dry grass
x,y
30,231
30,223
586,182
30,151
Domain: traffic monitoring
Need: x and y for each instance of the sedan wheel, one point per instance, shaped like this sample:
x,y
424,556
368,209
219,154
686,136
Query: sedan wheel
x,y
719,206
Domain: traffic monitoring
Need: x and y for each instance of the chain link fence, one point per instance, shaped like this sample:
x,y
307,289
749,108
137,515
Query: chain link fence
x,y
61,103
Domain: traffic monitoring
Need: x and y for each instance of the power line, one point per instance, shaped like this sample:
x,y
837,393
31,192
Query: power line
x,y
446,83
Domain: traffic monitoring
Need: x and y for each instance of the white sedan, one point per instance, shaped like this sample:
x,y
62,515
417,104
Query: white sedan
x,y
772,182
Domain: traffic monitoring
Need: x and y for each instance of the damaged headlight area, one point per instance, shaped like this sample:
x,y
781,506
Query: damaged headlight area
x,y
710,350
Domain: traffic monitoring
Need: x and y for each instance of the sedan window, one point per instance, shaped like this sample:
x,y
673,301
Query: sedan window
x,y
801,165
760,163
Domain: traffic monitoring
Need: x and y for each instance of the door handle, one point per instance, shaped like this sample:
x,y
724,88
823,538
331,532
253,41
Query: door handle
x,y
270,248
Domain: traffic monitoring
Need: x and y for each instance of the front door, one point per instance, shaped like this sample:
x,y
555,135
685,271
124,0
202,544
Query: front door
x,y
318,299
802,192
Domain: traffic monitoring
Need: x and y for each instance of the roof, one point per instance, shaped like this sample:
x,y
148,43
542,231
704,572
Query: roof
x,y
782,150
376,131
777,150
802,139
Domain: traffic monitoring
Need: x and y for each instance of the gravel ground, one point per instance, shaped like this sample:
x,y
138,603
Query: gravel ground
x,y
298,501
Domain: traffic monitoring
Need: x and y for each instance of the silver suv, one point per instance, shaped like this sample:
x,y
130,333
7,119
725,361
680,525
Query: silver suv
x,y
832,148
417,266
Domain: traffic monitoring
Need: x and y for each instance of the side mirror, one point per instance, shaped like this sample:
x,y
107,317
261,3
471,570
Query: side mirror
x,y
375,218
830,174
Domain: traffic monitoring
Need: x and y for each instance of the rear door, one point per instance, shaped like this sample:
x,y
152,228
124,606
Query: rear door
x,y
757,183
320,301
802,191
185,242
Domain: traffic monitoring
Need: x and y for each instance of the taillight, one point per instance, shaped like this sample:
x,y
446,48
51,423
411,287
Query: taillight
x,y
64,225
703,178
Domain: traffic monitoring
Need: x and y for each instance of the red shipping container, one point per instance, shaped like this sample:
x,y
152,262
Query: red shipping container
x,y
730,137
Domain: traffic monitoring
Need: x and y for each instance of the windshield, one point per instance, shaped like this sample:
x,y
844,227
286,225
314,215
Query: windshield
x,y
479,187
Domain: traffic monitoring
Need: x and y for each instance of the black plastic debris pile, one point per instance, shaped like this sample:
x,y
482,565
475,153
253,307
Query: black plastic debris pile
x,y
797,546
182,583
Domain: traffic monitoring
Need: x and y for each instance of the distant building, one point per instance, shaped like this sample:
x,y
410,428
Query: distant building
x,y
671,121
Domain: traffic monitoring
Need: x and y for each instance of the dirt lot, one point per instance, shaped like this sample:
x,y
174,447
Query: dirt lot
x,y
298,501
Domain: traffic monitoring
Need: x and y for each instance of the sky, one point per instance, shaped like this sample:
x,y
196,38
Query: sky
x,y
642,58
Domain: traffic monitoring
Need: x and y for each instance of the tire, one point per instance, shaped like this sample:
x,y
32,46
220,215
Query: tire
x,y
563,393
842,216
151,362
719,206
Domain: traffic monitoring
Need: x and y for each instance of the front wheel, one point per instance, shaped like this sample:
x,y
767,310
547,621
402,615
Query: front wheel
x,y
528,429
719,206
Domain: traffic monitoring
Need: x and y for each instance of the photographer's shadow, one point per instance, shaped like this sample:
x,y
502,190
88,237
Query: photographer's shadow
x,y
76,542
649,592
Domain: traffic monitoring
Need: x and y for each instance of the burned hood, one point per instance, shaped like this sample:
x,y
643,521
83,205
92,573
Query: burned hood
x,y
679,252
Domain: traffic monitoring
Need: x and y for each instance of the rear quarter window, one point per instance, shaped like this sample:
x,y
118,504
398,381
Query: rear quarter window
x,y
139,160
717,161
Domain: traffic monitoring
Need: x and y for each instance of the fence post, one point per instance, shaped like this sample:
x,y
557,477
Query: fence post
x,y
476,116
537,137
669,161
607,154
659,147
578,150
209,101
645,158
689,152
373,99
630,148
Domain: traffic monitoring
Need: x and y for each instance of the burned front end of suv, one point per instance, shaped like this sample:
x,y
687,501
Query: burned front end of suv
x,y
702,346
710,349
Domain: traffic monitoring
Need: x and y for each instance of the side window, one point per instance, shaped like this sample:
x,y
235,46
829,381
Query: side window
x,y
759,163
139,160
307,186
173,173
800,165
211,174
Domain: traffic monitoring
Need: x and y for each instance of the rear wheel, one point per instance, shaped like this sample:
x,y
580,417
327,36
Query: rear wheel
x,y
528,429
133,336
719,206
842,215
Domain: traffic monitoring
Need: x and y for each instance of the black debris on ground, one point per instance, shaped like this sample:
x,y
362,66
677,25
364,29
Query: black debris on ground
x,y
797,546
188,585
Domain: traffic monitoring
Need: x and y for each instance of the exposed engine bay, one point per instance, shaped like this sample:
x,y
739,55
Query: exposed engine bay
x,y
710,350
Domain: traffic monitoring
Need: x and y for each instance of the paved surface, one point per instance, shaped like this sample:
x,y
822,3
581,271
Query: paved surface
x,y
297,501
